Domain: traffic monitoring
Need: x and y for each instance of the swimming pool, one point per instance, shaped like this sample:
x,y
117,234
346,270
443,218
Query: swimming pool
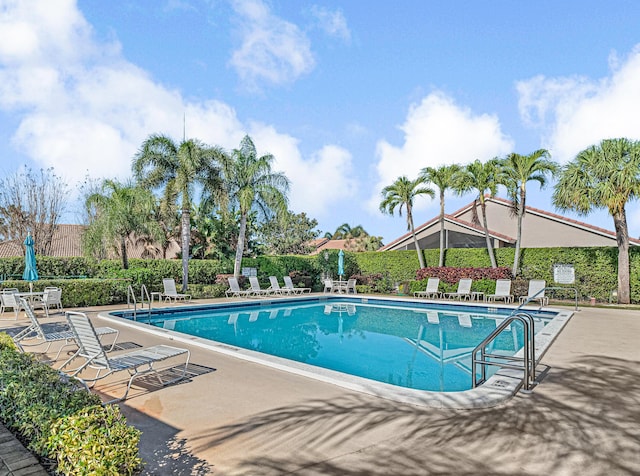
x,y
406,346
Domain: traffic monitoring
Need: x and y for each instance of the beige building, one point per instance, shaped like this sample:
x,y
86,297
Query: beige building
x,y
540,229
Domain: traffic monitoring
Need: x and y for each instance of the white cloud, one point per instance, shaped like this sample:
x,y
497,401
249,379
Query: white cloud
x,y
89,113
318,184
272,50
574,113
437,132
332,22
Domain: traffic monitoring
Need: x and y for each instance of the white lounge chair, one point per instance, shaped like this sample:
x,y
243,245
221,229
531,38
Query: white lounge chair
x,y
288,284
536,292
256,290
503,291
463,292
275,287
8,299
431,291
35,336
97,359
170,291
234,289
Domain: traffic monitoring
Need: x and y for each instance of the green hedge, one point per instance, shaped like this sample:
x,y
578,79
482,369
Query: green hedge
x,y
60,421
81,292
595,269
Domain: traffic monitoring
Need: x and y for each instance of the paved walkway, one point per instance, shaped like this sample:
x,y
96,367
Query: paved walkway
x,y
15,460
234,418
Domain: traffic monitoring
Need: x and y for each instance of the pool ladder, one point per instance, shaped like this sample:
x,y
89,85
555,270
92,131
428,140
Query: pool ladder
x,y
527,362
132,301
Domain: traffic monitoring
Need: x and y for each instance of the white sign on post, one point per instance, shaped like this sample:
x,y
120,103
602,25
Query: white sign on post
x,y
564,274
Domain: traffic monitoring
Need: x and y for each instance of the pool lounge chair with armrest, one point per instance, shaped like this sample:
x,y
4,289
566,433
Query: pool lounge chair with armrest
x,y
234,289
138,362
463,292
536,292
276,288
288,284
431,291
256,290
170,291
34,335
503,291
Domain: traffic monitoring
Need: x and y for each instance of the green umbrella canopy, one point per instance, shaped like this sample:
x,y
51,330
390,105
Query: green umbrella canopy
x,y
341,263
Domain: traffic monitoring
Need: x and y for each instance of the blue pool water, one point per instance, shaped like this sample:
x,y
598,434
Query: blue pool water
x,y
414,345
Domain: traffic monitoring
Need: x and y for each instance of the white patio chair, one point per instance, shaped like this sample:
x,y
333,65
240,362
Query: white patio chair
x,y
51,298
431,291
536,292
503,291
463,292
170,291
328,286
34,335
234,289
138,362
8,299
288,284
351,287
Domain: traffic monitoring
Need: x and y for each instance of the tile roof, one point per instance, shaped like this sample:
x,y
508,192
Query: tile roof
x,y
552,216
67,242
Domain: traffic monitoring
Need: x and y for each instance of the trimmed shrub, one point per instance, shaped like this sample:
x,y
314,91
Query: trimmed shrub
x,y
453,275
40,405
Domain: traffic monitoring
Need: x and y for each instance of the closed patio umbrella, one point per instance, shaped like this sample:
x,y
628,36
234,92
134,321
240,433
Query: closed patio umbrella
x,y
30,271
341,263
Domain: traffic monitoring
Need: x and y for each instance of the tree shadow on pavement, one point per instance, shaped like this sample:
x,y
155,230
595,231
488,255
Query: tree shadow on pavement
x,y
582,420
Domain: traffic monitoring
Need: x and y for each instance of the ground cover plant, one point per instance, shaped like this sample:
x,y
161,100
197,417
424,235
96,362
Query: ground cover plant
x,y
60,422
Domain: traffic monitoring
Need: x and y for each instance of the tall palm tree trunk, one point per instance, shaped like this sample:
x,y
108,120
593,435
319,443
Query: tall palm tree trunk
x,y
622,237
516,254
185,235
492,257
415,238
441,260
240,247
123,252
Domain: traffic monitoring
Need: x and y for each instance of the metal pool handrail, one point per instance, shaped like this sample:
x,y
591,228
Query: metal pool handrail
x,y
131,299
527,362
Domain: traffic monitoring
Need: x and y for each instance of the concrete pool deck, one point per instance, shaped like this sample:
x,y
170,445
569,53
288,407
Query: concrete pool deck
x,y
235,417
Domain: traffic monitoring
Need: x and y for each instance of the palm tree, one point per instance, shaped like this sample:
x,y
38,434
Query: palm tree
x,y
178,168
345,232
251,185
518,170
606,175
401,194
443,177
117,213
483,178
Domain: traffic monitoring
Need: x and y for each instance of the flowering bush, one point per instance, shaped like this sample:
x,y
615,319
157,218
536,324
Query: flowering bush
x,y
453,275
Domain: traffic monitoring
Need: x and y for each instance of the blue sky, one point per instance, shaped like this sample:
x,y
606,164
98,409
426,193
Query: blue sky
x,y
348,96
